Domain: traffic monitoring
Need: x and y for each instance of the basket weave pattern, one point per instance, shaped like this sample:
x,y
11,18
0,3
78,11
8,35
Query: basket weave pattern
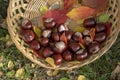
x,y
29,9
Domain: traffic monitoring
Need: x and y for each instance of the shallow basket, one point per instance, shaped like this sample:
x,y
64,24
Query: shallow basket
x,y
29,9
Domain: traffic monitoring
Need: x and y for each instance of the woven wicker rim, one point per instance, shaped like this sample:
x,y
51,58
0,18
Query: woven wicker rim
x,y
15,11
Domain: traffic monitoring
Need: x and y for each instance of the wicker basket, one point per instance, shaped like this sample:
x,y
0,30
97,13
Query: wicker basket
x,y
29,9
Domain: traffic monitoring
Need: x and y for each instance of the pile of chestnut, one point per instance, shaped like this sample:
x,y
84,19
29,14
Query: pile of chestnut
x,y
51,44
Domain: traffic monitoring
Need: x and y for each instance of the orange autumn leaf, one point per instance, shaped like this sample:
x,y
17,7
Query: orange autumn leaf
x,y
92,33
81,12
81,41
68,3
63,38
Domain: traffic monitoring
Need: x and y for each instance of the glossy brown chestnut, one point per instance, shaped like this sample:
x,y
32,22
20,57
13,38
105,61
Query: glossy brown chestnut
x,y
87,40
76,36
86,33
49,23
82,55
90,22
38,54
55,37
93,47
69,35
58,58
100,37
100,27
28,35
44,41
46,33
47,52
35,45
62,28
67,55
74,47
59,47
26,24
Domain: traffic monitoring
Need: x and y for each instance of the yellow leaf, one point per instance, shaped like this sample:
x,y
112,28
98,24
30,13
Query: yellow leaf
x,y
10,64
55,72
37,31
79,29
52,73
83,47
81,77
1,64
50,61
19,73
80,21
73,14
81,12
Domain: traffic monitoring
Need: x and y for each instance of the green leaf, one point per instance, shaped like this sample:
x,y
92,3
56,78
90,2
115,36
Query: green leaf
x,y
10,74
64,78
43,9
37,31
103,18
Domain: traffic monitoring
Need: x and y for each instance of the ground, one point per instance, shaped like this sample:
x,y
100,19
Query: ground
x,y
14,66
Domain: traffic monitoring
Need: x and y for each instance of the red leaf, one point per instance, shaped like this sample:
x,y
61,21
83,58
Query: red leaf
x,y
81,41
58,15
92,33
97,4
63,38
108,27
68,4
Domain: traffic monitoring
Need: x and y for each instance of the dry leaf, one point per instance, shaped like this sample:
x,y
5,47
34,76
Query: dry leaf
x,y
81,77
10,64
115,72
50,61
19,73
97,4
58,15
80,13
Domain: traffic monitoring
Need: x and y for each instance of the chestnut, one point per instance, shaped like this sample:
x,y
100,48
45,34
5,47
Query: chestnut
x,y
44,41
35,45
62,28
38,54
76,36
26,24
49,23
47,52
68,35
90,22
46,33
74,47
67,55
86,33
55,36
59,47
28,35
87,40
100,37
100,27
57,58
81,55
94,47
